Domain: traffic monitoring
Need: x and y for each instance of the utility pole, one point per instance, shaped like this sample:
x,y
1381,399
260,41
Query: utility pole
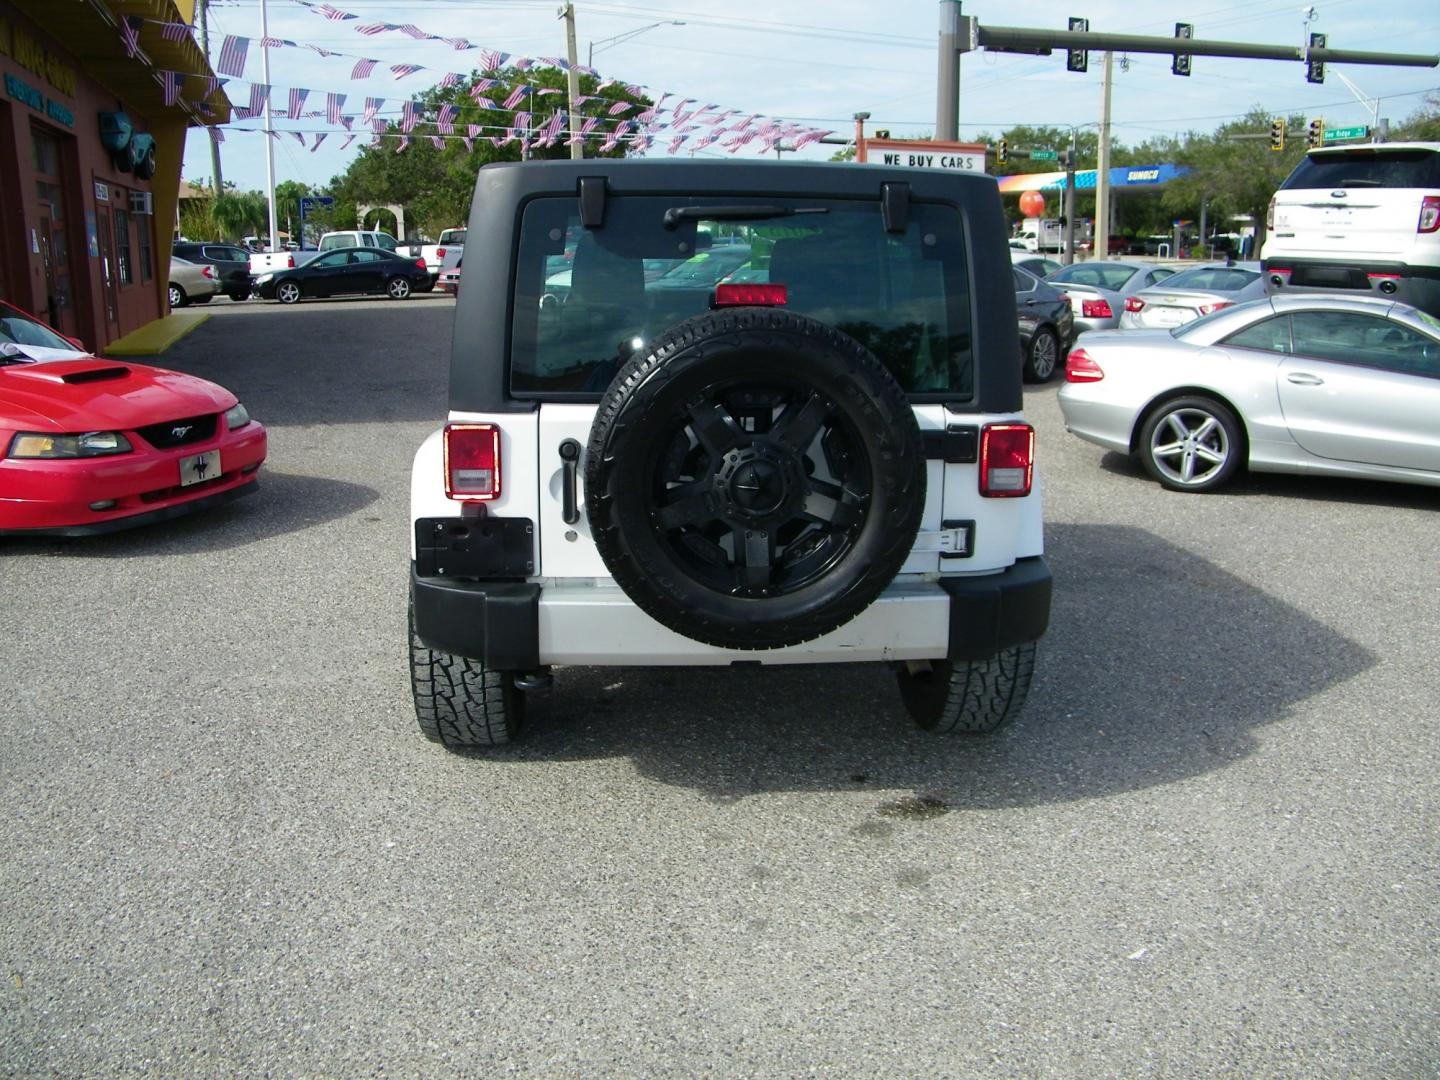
x,y
1100,242
947,102
572,82
1070,156
269,127
219,184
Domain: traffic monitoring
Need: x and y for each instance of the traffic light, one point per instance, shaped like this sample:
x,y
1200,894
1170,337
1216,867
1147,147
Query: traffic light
x,y
1277,133
1316,136
1078,59
1002,152
1315,69
882,133
1180,62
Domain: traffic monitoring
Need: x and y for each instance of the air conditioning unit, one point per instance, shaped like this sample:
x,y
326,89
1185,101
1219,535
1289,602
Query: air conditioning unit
x,y
142,202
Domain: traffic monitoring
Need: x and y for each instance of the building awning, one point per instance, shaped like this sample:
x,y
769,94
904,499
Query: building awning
x,y
90,31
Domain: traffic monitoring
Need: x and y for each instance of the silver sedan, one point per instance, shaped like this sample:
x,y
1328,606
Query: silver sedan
x,y
1098,289
1291,384
1192,293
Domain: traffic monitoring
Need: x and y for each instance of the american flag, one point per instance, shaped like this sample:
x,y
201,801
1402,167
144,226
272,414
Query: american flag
x,y
459,44
409,116
217,134
474,129
605,85
553,128
372,106
130,34
521,121
492,61
170,82
445,122
437,142
412,31
483,85
469,144
516,96
680,115
274,43
333,104
298,137
404,142
348,140
523,63
347,122
212,84
555,61
813,135
232,56
548,91
704,141
318,50
318,140
363,69
401,70
676,143
620,106
174,31
259,98
297,102
333,14
371,29
483,101
449,79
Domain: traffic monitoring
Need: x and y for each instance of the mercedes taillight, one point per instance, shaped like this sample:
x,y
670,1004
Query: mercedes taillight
x,y
472,462
1007,460
1079,367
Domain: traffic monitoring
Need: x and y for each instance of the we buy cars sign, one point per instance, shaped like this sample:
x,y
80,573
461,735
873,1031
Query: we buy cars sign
x,y
923,154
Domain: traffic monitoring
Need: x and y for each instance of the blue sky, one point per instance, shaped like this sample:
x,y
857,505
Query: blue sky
x,y
819,64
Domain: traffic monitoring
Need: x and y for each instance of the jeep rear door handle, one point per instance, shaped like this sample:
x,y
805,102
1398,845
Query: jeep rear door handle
x,y
570,455
1300,378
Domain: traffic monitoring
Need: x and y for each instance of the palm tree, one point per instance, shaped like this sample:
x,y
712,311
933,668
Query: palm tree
x,y
240,213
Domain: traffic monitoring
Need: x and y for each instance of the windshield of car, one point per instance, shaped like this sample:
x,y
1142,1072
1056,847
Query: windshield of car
x,y
1212,279
453,236
1111,276
1367,168
904,295
16,329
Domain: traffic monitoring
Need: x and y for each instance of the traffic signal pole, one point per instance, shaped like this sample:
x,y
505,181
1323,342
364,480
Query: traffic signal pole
x,y
947,101
1100,242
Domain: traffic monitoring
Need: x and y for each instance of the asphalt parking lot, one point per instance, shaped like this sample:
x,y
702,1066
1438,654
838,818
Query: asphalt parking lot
x,y
1208,848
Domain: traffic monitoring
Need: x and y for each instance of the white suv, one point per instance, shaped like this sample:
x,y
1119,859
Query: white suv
x,y
1359,218
819,458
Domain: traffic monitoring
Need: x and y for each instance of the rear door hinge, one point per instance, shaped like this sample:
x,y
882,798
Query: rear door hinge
x,y
955,540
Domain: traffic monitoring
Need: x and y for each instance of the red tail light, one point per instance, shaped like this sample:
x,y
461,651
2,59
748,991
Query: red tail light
x,y
1080,368
1133,303
1007,460
754,295
420,263
1429,214
472,461
207,271
1096,309
289,262
1206,309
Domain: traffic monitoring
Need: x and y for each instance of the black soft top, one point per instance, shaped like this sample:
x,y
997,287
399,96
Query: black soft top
x,y
482,317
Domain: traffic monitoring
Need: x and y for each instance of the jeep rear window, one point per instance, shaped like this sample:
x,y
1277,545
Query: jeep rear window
x,y
1382,169
586,300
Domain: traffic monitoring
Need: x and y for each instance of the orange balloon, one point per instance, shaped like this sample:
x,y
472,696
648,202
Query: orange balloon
x,y
1032,204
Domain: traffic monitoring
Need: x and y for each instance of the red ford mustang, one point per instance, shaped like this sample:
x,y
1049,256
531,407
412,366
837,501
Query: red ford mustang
x,y
89,445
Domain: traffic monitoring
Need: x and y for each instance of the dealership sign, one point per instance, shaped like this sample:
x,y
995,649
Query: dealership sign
x,y
924,154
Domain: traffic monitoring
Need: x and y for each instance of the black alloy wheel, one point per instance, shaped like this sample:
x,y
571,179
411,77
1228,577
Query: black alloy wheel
x,y
756,480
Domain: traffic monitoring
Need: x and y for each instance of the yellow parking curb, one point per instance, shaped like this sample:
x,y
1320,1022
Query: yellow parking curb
x,y
155,337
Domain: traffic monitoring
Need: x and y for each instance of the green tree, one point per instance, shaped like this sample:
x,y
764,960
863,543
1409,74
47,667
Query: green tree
x,y
241,213
435,185
1423,125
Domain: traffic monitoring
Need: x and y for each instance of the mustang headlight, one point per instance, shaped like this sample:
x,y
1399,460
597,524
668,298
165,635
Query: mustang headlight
x,y
236,416
90,444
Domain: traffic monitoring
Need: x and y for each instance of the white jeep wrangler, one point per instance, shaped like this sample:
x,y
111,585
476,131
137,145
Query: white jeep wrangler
x,y
728,414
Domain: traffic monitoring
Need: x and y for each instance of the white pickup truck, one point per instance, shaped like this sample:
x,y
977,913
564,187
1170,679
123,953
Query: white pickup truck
x,y
452,241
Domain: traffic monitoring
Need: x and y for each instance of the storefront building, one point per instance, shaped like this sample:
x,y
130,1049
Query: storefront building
x,y
85,230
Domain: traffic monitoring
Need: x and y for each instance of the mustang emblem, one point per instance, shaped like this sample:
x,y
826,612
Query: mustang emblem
x,y
181,430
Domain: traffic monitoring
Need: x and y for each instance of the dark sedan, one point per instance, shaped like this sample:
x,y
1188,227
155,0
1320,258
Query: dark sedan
x,y
346,272
231,263
1047,326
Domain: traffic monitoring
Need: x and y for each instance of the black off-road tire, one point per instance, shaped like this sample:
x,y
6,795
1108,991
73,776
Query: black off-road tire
x,y
712,355
972,697
460,702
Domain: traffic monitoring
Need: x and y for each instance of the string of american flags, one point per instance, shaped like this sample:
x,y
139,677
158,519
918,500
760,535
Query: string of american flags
x,y
708,124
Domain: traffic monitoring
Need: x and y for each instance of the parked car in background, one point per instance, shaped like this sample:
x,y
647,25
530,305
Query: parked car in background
x,y
347,272
1098,289
370,238
452,242
1047,326
1192,293
231,263
1359,219
89,445
191,283
704,269
1039,265
1294,384
449,279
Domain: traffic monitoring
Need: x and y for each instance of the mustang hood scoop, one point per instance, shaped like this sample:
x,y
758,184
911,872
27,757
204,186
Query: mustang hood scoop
x,y
70,372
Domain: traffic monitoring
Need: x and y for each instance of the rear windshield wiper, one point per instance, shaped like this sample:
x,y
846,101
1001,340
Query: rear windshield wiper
x,y
677,215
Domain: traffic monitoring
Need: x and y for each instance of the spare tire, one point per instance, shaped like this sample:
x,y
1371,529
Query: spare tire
x,y
755,480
